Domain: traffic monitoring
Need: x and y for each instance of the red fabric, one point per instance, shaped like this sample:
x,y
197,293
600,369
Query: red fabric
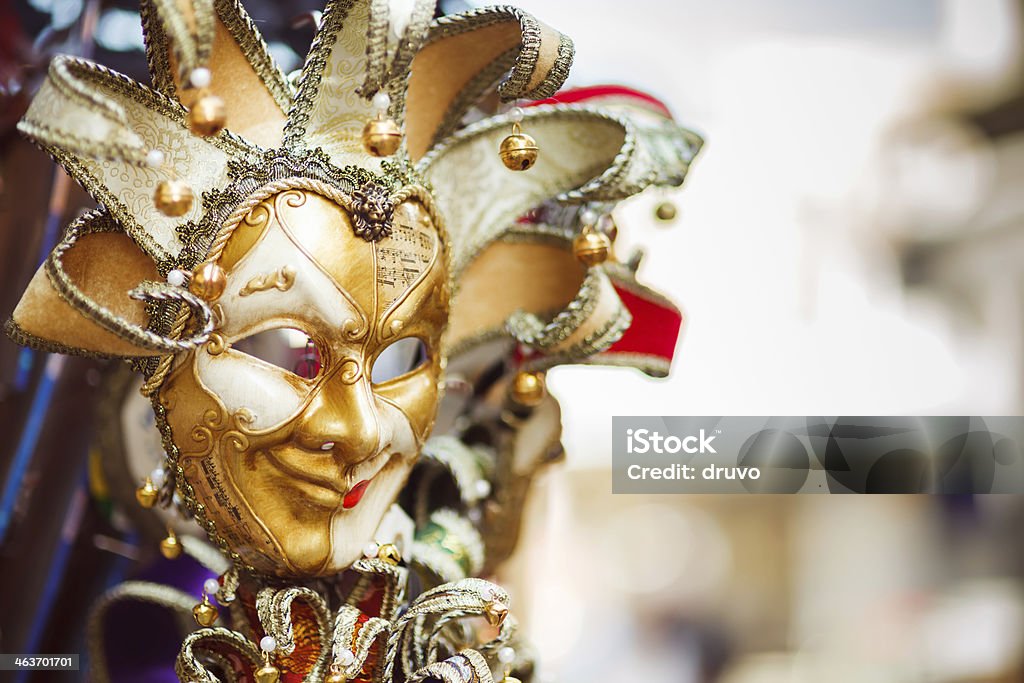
x,y
655,328
596,92
653,332
374,599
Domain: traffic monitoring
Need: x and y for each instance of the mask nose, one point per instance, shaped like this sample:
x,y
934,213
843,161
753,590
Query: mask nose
x,y
342,418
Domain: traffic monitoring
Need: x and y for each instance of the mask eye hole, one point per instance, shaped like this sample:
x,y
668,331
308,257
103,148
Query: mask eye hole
x,y
398,358
284,347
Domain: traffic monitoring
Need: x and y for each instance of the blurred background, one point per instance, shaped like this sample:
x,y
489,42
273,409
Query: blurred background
x,y
850,241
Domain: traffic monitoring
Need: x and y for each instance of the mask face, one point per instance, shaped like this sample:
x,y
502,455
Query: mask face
x,y
298,423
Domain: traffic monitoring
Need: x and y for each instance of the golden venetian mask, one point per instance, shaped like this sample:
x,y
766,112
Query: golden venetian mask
x,y
276,257
297,463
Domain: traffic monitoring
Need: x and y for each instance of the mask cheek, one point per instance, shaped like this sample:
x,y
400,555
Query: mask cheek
x,y
415,394
271,395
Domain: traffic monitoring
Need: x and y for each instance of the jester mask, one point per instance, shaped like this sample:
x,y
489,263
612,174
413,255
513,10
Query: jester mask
x,y
294,306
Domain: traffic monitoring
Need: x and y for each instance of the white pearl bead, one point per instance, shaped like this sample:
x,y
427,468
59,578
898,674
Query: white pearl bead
x,y
200,78
475,515
176,277
482,487
268,644
211,586
506,655
158,476
381,101
328,445
588,217
516,114
371,549
155,158
346,657
489,594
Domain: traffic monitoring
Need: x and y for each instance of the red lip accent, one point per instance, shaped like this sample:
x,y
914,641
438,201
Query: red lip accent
x,y
353,497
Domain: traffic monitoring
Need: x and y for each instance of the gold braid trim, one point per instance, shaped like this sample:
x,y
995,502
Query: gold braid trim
x,y
179,602
190,668
274,607
193,43
150,386
455,669
468,597
145,291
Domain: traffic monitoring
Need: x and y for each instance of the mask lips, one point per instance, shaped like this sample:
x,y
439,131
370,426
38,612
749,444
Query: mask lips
x,y
355,495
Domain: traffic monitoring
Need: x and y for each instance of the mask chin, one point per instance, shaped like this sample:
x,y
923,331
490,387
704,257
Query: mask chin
x,y
352,529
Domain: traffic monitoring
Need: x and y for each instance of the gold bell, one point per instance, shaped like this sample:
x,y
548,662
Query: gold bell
x,y
591,247
147,494
208,116
389,553
508,678
170,547
268,673
205,613
381,137
518,151
173,198
495,612
665,211
336,675
528,388
208,281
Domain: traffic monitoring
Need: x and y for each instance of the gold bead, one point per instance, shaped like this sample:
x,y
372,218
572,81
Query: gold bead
x,y
495,612
389,553
208,281
666,211
528,388
381,137
518,151
173,198
147,494
591,247
268,673
208,116
336,677
205,613
170,547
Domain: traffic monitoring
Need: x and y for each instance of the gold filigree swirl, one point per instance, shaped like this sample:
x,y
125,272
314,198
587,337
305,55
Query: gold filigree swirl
x,y
282,279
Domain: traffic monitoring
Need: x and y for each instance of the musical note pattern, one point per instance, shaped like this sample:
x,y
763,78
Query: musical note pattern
x,y
404,256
